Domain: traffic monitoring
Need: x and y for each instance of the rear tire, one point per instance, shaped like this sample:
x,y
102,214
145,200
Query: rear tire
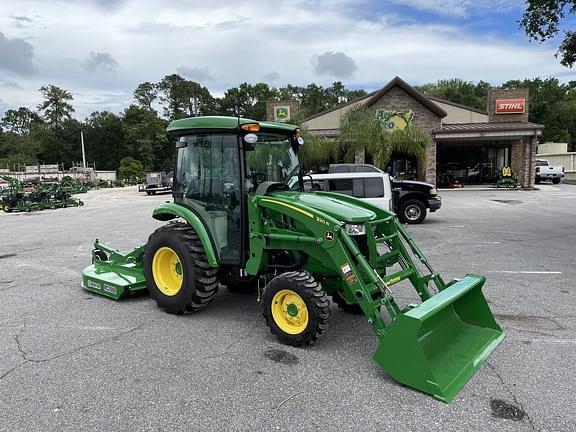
x,y
412,211
177,270
296,308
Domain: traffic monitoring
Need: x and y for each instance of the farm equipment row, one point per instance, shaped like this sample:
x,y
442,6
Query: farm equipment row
x,y
44,196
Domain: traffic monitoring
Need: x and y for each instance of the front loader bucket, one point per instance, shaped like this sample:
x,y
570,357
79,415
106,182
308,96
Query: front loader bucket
x,y
437,346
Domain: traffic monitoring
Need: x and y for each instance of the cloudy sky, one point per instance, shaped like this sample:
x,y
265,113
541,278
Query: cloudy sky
x,y
100,50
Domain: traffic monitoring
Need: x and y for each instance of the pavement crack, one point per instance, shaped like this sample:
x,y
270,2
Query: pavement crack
x,y
509,390
27,359
5,374
248,334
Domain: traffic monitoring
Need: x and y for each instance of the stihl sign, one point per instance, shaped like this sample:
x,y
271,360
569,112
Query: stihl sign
x,y
510,106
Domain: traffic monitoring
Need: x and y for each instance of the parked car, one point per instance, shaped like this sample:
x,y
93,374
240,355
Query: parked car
x,y
409,199
158,182
545,171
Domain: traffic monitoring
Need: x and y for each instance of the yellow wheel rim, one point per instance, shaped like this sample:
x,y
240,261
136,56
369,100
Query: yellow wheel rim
x,y
167,271
289,312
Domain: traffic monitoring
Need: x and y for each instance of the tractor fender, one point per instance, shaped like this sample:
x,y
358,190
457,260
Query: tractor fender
x,y
169,211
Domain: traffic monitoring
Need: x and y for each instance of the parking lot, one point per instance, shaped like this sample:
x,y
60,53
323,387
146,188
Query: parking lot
x,y
70,360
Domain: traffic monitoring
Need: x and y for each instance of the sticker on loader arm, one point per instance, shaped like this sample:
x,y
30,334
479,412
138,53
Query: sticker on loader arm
x,y
348,273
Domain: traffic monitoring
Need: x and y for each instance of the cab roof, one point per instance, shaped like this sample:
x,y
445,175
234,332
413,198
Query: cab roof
x,y
223,122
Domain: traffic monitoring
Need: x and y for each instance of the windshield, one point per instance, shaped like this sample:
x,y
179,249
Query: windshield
x,y
272,159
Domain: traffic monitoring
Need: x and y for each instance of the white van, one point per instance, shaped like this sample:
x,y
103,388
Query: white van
x,y
408,199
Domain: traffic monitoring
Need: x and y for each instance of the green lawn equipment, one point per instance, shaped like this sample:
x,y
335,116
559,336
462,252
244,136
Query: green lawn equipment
x,y
41,197
240,217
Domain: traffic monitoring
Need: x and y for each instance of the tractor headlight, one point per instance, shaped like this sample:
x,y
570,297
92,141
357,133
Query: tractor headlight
x,y
355,229
433,191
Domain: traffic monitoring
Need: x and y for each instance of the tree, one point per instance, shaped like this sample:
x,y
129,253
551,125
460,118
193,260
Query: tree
x,y
104,138
19,121
318,150
361,131
183,98
541,21
551,104
145,139
145,94
459,91
131,168
58,144
55,106
248,100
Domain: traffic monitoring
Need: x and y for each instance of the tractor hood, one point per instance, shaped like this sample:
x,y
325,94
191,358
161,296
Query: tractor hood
x,y
331,206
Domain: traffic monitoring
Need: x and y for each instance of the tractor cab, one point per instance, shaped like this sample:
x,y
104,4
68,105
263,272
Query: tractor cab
x,y
219,162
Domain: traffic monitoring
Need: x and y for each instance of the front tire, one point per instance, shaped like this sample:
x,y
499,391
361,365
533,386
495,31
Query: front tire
x,y
177,270
412,211
296,308
555,181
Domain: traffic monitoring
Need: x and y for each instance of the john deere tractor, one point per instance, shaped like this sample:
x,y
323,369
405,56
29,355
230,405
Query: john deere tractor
x,y
240,218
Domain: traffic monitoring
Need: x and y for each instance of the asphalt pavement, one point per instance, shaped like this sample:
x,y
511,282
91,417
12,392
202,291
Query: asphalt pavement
x,y
73,361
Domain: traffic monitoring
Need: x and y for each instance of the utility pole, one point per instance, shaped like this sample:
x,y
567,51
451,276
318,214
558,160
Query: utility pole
x,y
83,151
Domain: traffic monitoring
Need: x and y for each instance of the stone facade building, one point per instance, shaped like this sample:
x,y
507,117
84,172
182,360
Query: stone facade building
x,y
468,145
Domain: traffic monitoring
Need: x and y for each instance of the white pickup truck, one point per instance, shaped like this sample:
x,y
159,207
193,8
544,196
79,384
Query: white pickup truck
x,y
545,171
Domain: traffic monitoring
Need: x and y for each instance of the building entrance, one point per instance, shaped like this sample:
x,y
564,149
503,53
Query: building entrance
x,y
470,164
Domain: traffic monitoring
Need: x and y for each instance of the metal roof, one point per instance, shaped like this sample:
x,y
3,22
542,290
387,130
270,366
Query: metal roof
x,y
487,127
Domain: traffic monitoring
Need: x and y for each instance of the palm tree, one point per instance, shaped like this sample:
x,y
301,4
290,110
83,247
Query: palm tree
x,y
361,131
318,150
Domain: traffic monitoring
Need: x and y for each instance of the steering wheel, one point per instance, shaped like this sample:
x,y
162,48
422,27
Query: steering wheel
x,y
258,176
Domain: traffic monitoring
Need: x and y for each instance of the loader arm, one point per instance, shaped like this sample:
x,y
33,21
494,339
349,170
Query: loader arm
x,y
434,347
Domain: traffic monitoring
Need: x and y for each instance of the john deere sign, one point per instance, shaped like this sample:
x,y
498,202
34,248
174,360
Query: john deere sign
x,y
281,113
394,119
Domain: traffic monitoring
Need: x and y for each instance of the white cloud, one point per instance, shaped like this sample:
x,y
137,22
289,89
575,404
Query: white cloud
x,y
236,41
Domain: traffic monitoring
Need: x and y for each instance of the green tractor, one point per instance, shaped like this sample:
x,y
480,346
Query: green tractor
x,y
240,218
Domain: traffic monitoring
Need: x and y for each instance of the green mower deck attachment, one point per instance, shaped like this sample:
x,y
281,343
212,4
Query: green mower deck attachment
x,y
113,274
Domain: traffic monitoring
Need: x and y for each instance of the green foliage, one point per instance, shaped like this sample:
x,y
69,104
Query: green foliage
x,y
459,91
145,138
103,138
318,151
183,98
361,131
145,95
553,105
131,168
19,121
55,106
247,100
542,21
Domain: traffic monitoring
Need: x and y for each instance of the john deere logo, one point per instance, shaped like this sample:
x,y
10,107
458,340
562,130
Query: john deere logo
x,y
281,113
329,235
395,120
